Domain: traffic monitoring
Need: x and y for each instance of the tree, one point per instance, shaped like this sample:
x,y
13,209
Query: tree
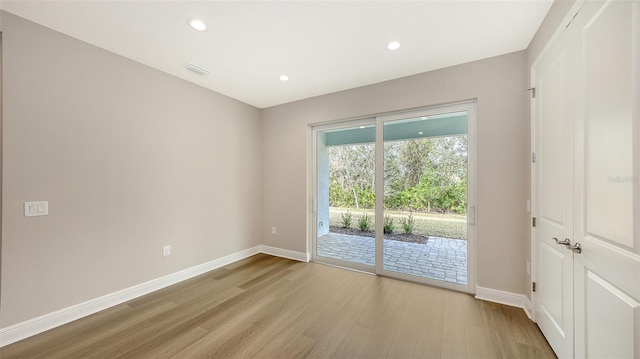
x,y
352,175
420,174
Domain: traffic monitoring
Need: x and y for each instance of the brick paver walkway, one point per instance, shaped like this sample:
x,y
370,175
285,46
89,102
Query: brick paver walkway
x,y
440,258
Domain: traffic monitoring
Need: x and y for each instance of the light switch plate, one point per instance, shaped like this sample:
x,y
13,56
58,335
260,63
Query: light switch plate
x,y
38,208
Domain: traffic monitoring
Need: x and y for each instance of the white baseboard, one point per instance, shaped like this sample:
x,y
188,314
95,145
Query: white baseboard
x,y
45,322
527,309
507,298
285,253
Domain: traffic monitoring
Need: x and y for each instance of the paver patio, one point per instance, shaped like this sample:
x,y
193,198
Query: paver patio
x,y
440,258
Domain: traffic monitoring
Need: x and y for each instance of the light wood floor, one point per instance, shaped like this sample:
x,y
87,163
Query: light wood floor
x,y
269,307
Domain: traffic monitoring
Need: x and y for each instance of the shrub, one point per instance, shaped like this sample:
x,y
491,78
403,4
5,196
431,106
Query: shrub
x,y
346,219
408,224
388,224
364,222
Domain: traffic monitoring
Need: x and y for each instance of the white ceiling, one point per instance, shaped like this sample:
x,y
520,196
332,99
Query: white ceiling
x,y
323,46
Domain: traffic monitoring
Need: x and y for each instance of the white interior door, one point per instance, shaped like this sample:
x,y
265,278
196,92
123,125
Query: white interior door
x,y
588,302
607,272
554,191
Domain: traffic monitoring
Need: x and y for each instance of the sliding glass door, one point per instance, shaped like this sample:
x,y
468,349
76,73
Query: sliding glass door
x,y
394,195
345,191
425,196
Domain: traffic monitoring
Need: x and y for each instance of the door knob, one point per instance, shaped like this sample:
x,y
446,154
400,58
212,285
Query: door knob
x,y
566,242
576,248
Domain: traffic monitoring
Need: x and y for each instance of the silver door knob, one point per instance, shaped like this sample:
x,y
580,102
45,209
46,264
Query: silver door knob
x,y
576,248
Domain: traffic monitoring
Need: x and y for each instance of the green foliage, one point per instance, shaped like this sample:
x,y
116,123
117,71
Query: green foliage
x,y
431,195
408,224
449,225
346,219
388,224
351,176
428,175
355,198
367,198
365,223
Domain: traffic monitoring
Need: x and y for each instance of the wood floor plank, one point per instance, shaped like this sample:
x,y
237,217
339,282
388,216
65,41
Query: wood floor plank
x,y
453,325
404,342
217,342
504,345
295,346
328,344
353,343
332,305
473,312
169,348
197,312
385,330
479,343
385,291
270,307
524,351
452,350
429,344
97,337
51,339
528,332
277,329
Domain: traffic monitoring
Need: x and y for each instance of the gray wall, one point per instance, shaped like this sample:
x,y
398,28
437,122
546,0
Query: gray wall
x,y
549,25
129,159
499,85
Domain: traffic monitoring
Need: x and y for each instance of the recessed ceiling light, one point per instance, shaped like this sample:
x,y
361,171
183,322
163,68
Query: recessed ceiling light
x,y
421,133
284,78
361,126
423,118
197,24
393,45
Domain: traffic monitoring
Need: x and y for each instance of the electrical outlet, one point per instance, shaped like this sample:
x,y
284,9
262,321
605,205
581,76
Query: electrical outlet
x,y
166,250
274,230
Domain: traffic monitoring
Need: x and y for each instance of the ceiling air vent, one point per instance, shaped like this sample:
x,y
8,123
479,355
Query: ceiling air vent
x,y
197,69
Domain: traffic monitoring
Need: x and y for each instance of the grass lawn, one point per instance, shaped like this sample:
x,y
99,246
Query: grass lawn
x,y
428,224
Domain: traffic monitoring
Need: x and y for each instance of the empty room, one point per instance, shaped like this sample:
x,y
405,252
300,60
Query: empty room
x,y
320,179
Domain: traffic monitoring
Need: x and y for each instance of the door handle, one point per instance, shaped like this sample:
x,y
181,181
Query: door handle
x,y
576,248
566,242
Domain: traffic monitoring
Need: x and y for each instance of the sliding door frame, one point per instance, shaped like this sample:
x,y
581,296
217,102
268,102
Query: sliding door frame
x,y
379,121
468,107
313,189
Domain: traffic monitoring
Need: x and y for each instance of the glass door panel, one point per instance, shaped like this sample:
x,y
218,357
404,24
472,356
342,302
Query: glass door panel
x,y
425,197
345,185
